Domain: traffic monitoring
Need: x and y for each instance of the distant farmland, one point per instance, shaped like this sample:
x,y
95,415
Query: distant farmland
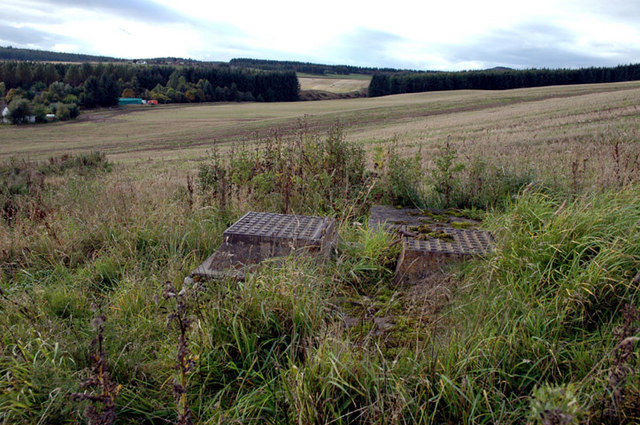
x,y
510,122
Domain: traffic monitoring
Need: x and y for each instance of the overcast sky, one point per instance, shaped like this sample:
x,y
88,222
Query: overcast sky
x,y
427,34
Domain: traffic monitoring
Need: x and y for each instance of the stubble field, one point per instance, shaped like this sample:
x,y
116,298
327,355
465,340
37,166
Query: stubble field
x,y
557,124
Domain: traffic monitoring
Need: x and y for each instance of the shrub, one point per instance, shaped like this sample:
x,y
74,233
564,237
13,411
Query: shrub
x,y
40,112
62,112
475,185
308,175
20,109
399,179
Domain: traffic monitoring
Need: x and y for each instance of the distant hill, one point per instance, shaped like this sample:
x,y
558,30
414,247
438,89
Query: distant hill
x,y
311,68
499,68
16,54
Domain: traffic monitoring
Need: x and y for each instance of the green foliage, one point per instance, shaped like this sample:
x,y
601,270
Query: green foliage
x,y
20,109
399,179
308,175
474,185
368,257
545,305
529,333
307,68
101,85
40,112
82,164
555,405
22,183
62,112
445,175
395,83
65,112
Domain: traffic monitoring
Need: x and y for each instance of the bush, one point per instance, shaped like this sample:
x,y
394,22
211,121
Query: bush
x,y
308,175
476,185
20,109
40,111
399,179
62,112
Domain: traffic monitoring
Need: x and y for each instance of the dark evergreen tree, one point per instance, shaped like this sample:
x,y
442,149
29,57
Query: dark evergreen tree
x,y
108,90
91,93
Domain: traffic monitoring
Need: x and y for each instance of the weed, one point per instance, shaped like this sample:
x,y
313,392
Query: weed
x,y
446,180
616,408
555,405
186,362
304,175
101,409
398,178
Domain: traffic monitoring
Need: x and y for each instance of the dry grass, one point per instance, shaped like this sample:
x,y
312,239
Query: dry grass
x,y
548,128
333,85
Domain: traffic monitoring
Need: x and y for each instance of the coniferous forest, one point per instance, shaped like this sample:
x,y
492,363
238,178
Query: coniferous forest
x,y
385,84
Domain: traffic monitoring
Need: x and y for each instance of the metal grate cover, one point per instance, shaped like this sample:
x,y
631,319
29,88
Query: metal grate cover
x,y
258,236
281,226
465,242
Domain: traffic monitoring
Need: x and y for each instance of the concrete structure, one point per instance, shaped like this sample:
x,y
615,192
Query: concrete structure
x,y
259,236
430,239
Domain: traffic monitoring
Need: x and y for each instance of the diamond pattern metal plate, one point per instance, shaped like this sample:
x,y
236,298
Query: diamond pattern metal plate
x,y
465,242
281,226
259,236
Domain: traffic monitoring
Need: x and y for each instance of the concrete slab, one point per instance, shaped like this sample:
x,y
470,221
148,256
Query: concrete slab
x,y
259,236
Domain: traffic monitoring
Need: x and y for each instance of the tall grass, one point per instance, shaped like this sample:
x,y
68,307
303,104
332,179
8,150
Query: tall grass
x,y
535,326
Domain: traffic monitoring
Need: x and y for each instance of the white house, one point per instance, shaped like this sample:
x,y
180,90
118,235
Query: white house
x,y
5,115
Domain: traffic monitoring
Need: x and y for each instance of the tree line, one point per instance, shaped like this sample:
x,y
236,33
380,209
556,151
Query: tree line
x,y
308,67
40,87
176,84
386,84
17,54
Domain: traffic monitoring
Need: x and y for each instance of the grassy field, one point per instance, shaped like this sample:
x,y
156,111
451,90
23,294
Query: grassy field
x,y
96,325
334,85
361,77
541,114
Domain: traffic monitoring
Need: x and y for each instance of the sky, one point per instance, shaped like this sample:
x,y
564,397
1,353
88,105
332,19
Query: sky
x,y
423,35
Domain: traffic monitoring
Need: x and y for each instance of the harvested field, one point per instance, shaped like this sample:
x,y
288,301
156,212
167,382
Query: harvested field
x,y
333,85
523,117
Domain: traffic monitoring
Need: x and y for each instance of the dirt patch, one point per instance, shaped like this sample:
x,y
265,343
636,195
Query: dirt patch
x,y
109,115
307,95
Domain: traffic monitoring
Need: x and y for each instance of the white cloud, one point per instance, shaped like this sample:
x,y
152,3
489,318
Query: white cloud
x,y
414,34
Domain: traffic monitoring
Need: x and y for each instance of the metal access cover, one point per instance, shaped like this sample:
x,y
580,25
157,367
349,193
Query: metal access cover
x,y
270,226
465,242
422,253
258,236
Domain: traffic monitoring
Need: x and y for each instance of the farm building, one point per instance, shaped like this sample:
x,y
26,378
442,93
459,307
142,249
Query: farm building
x,y
130,101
